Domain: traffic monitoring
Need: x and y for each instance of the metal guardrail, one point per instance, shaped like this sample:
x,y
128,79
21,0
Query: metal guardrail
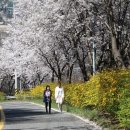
x,y
10,97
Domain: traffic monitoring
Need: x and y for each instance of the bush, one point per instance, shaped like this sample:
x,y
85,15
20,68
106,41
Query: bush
x,y
25,94
83,94
115,94
108,91
124,109
111,84
104,91
37,92
2,96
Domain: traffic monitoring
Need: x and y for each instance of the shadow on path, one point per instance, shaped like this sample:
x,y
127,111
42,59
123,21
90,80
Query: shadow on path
x,y
23,115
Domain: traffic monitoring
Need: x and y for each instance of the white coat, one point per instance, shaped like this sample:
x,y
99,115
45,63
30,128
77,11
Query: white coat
x,y
59,94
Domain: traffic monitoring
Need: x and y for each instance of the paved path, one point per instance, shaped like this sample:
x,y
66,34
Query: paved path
x,y
27,116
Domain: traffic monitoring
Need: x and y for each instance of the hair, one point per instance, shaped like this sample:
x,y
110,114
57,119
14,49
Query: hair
x,y
47,87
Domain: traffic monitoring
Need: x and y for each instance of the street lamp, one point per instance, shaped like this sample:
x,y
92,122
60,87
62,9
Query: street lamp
x,y
94,57
16,80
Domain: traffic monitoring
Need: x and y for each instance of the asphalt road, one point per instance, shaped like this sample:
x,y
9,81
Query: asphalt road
x,y
27,116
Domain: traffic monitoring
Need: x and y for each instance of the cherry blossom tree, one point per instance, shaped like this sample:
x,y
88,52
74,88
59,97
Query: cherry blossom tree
x,y
53,37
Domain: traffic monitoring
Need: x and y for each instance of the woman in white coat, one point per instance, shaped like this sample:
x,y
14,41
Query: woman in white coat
x,y
59,96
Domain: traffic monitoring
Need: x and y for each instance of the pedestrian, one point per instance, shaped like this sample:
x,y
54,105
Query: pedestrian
x,y
59,96
47,98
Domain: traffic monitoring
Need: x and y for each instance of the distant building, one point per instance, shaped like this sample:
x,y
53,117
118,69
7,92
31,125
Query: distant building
x,y
6,7
3,32
6,12
9,9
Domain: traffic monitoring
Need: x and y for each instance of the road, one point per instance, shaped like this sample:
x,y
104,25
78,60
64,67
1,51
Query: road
x,y
28,116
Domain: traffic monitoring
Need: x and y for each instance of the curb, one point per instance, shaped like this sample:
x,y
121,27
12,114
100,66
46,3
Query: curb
x,y
86,120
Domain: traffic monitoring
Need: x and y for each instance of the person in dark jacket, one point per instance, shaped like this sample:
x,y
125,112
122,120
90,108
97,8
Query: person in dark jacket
x,y
47,99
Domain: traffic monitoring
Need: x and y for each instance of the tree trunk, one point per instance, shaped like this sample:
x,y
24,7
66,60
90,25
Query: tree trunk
x,y
116,52
69,74
59,77
52,78
84,71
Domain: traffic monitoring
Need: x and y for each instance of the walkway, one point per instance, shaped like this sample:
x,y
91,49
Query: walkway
x,y
27,116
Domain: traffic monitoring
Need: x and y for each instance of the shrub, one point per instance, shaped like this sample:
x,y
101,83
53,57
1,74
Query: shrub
x,y
2,96
83,94
124,109
108,91
23,95
37,91
111,82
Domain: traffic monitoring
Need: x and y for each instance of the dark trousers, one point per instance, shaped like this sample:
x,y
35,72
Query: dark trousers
x,y
48,104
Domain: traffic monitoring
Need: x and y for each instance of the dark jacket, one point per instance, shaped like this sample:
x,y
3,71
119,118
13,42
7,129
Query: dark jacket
x,y
47,98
